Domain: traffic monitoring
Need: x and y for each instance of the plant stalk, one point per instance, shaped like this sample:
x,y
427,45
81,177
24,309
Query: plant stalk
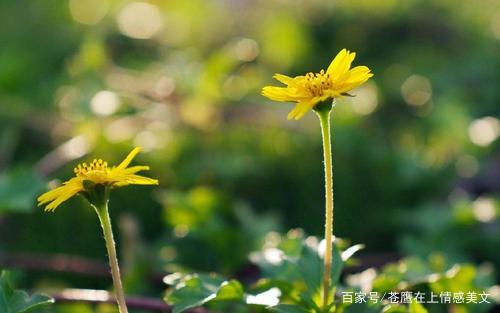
x,y
103,213
324,117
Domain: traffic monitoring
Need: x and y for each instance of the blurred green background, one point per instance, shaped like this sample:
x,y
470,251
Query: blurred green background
x,y
416,152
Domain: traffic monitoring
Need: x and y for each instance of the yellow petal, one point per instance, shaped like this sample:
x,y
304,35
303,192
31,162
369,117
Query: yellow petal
x,y
336,61
300,109
294,111
341,63
60,194
50,195
279,93
128,159
359,77
359,73
343,67
350,86
135,180
56,192
287,80
63,197
135,169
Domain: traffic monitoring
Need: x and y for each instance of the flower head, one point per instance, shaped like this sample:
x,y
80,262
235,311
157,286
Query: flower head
x,y
311,89
96,173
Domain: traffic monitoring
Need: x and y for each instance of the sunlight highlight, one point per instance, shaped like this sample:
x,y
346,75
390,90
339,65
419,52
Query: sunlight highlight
x,y
140,20
484,131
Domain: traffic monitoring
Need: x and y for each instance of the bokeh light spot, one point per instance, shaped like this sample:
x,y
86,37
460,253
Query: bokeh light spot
x,y
246,49
181,231
484,209
121,129
495,25
140,20
484,131
105,103
365,100
147,140
416,90
164,87
88,12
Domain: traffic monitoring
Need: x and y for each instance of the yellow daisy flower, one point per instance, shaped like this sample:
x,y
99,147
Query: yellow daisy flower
x,y
96,173
312,89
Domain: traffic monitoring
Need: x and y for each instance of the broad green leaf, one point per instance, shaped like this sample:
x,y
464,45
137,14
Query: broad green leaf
x,y
310,266
337,265
276,265
198,289
296,263
230,290
412,271
18,301
458,278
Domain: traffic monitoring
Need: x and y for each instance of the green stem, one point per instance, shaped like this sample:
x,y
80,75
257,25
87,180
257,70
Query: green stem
x,y
103,213
324,118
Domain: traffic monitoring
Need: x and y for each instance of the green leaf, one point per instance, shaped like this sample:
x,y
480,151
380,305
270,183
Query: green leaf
x,y
460,277
230,290
288,308
337,265
411,270
198,289
18,301
296,267
310,267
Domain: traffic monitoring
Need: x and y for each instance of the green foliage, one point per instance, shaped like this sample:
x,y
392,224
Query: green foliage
x,y
455,229
291,278
437,275
206,221
18,301
18,190
295,265
196,290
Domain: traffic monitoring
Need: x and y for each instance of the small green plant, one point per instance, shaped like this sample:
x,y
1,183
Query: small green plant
x,y
291,281
18,301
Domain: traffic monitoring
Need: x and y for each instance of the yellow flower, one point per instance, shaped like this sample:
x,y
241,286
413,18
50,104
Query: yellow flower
x,y
312,89
97,173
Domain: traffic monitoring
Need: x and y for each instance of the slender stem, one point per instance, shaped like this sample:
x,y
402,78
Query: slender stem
x,y
103,214
324,117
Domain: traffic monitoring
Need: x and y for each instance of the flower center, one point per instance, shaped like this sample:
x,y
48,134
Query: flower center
x,y
96,166
318,82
